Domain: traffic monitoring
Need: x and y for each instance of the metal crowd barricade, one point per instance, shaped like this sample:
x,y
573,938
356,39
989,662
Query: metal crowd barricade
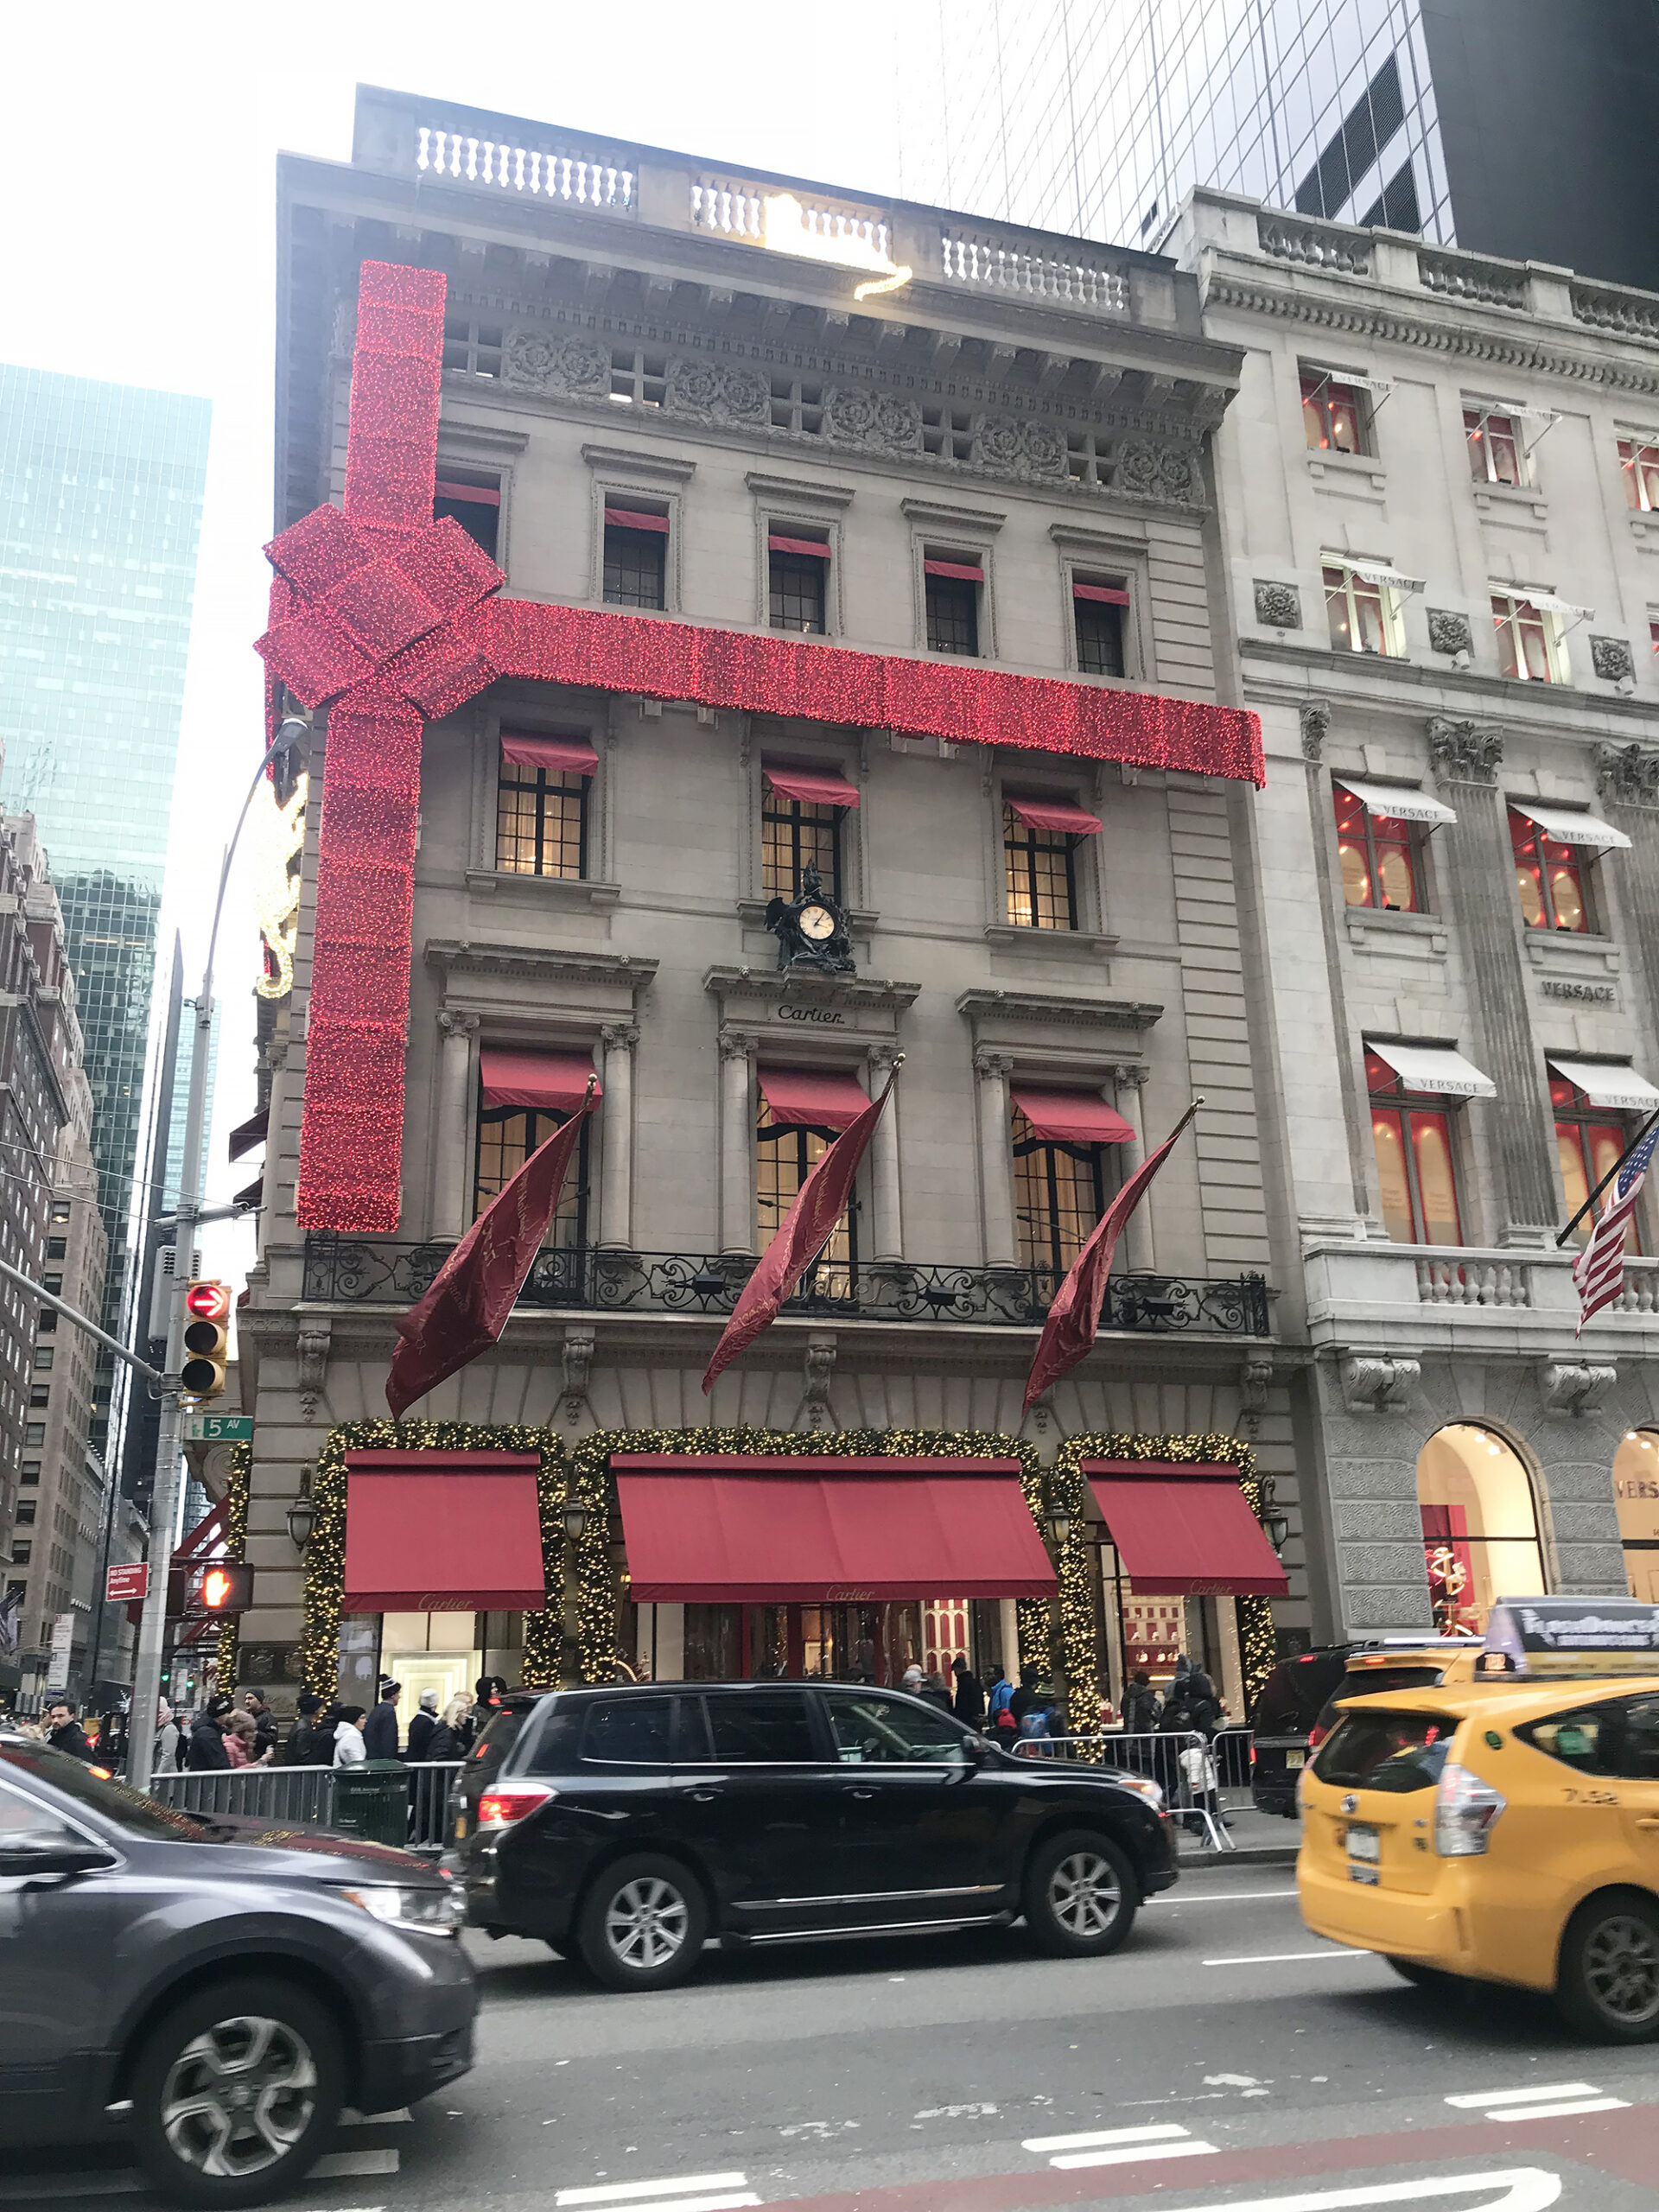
x,y
1157,1755
303,1796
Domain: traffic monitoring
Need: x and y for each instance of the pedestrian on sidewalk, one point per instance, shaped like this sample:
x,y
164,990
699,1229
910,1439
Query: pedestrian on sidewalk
x,y
349,1747
64,1733
423,1727
208,1754
969,1702
264,1726
170,1740
1201,1789
450,1737
381,1731
999,1721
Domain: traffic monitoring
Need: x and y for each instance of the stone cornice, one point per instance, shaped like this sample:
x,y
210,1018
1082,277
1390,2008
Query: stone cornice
x,y
1377,677
1059,1006
769,985
530,963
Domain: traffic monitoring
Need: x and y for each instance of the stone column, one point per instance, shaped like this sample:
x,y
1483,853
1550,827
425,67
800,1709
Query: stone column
x,y
451,1153
886,1227
736,1145
1140,1254
1628,778
616,1138
996,1159
1479,874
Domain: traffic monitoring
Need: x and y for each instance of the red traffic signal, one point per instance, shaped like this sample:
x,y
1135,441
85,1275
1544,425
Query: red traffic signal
x,y
206,1338
208,1301
221,1588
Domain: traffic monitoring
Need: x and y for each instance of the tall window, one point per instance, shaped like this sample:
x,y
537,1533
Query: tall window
x,y
1059,1195
1635,1495
506,1137
798,569
472,497
1497,454
1480,1526
1412,1132
785,1153
1363,614
1639,459
953,587
1550,878
796,834
1334,416
1588,1144
1099,609
1379,857
1531,644
541,821
1040,875
636,562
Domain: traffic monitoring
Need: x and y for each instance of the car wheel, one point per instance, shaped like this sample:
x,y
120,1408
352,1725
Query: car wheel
x,y
642,1923
1080,1896
1608,1986
1422,1977
237,2092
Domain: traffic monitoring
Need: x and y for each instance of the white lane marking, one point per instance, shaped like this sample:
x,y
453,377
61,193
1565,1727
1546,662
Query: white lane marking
x,y
1561,2112
1527,2189
1228,1897
1145,2151
736,2202
1163,2130
1548,2100
638,2192
1472,2099
338,2165
1284,1958
1118,2146
49,2191
352,2118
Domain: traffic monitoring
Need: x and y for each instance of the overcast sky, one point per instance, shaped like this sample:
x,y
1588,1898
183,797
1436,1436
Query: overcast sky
x,y
140,144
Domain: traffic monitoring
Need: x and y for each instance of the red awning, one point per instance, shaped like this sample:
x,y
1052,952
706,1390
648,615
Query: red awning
x,y
443,1532
815,547
1071,1116
483,495
969,572
814,787
1108,592
573,754
630,518
707,1531
1053,814
819,1096
552,1083
1184,1532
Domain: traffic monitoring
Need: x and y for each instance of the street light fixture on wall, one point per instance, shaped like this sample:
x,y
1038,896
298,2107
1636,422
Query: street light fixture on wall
x,y
302,1512
1275,1522
575,1519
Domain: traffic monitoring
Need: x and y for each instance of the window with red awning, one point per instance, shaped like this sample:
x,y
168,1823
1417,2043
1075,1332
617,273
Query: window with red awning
x,y
1071,1116
572,754
551,1083
1053,814
821,1097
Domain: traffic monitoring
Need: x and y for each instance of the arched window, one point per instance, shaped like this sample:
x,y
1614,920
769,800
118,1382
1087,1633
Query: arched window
x,y
1635,1493
1480,1530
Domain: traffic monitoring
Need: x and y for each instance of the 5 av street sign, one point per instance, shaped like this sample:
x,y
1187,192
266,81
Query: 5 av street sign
x,y
218,1429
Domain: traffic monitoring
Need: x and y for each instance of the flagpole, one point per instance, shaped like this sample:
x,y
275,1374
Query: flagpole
x,y
1606,1179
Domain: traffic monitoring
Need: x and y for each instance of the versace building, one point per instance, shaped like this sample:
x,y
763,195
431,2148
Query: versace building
x,y
756,636
1438,489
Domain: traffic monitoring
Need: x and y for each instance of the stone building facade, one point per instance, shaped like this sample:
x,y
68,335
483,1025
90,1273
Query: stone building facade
x,y
666,397
1436,493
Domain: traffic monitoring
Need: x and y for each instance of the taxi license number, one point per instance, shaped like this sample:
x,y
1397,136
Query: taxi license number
x,y
1295,1758
1364,1843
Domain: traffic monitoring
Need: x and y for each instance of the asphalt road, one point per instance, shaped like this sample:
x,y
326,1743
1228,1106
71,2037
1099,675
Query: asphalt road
x,y
1225,2058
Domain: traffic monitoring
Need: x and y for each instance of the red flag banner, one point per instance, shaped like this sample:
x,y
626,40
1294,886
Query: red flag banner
x,y
466,1309
1074,1318
819,1204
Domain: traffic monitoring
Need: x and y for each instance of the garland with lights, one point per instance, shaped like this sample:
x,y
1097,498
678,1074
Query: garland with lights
x,y
325,1552
1256,1643
234,1530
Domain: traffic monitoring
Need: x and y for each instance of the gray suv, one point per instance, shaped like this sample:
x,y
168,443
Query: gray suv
x,y
213,1988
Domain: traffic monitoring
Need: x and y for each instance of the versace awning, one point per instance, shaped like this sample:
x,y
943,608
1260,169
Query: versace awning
x,y
1568,826
1433,1068
1614,1085
1396,802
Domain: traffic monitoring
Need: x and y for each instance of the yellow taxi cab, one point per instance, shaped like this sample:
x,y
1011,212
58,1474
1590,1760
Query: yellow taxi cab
x,y
1505,1827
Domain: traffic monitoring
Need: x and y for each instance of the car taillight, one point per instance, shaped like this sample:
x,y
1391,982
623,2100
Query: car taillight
x,y
511,1801
1252,1754
1316,1736
1466,1809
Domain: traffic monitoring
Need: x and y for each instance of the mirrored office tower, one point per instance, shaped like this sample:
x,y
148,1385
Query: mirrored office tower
x,y
100,512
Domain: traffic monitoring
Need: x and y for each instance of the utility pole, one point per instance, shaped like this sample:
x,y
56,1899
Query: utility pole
x,y
152,1627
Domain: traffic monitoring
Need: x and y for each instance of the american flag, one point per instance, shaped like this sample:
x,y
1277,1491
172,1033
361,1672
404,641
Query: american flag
x,y
1598,1271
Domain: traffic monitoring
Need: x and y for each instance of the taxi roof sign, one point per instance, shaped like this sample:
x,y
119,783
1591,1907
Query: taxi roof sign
x,y
1572,1635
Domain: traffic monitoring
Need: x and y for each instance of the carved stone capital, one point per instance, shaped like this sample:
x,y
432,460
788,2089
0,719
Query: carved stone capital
x,y
1464,751
619,1036
1611,659
1278,606
455,1023
1379,1384
1570,1389
1315,716
883,1059
1131,1075
735,1046
1449,632
992,1067
1628,775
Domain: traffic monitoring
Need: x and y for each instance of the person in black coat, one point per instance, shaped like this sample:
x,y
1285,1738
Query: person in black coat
x,y
969,1701
65,1733
380,1729
302,1748
265,1725
208,1754
423,1727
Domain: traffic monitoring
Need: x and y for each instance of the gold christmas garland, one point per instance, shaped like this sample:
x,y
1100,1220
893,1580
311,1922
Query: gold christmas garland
x,y
235,1531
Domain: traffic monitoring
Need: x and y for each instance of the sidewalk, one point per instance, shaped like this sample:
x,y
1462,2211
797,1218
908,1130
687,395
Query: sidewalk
x,y
1262,1838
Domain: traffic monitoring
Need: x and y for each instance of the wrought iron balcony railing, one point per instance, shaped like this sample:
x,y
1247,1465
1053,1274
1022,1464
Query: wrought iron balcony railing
x,y
351,1270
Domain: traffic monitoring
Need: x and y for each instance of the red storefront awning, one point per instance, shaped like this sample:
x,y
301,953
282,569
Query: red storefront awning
x,y
1071,1116
815,787
1054,814
550,1082
814,548
817,1097
703,1530
443,1532
573,754
632,518
1185,1531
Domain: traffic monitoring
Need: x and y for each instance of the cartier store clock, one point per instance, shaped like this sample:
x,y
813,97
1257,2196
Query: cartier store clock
x,y
811,929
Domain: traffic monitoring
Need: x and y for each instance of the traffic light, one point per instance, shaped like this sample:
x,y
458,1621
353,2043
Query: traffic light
x,y
206,1338
221,1588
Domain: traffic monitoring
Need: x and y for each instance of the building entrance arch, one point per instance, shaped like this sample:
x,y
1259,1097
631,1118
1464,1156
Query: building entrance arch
x,y
1480,1524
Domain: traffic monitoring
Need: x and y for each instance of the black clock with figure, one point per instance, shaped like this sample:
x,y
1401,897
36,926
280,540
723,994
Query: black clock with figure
x,y
811,929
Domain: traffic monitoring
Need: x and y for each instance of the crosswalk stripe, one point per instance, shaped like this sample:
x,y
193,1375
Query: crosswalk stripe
x,y
1472,2099
637,2192
1561,2112
1127,2151
1163,2130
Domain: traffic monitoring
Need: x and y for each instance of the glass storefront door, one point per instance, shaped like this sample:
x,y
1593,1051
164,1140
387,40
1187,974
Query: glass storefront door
x,y
832,1642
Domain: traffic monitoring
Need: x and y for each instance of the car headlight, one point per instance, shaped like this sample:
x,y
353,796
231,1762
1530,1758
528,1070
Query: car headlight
x,y
439,1912
1143,1788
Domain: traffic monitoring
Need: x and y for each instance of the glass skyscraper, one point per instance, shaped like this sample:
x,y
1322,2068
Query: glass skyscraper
x,y
100,513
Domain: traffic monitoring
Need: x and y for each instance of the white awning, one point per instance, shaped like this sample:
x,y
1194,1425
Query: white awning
x,y
1545,601
1435,1067
1612,1083
1493,406
1400,802
1348,376
1379,572
1569,827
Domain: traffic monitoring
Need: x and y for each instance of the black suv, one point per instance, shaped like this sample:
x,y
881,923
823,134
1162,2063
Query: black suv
x,y
628,1825
1299,1704
218,2006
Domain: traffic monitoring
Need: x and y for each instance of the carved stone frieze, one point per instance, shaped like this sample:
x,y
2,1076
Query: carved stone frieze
x,y
561,367
874,421
1449,632
729,393
1628,775
818,1373
1611,659
1153,472
1464,751
1316,726
576,1364
1380,1385
1027,452
1572,1388
1278,606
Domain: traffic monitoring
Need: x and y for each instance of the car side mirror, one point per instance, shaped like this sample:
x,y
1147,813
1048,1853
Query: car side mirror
x,y
18,1856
